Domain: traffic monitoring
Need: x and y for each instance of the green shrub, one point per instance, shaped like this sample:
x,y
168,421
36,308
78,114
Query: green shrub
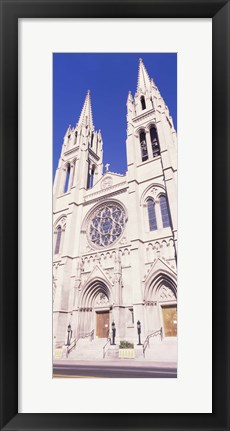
x,y
126,345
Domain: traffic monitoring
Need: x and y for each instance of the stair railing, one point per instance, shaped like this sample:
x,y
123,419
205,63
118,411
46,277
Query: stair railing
x,y
87,334
71,346
108,342
74,342
153,334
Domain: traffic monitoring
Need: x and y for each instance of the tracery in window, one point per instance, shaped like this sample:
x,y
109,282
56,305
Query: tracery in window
x,y
106,225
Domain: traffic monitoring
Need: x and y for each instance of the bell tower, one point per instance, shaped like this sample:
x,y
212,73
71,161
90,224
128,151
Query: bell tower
x,y
151,141
80,165
90,148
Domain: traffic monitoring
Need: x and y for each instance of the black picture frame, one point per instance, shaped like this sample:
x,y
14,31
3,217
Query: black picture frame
x,y
11,11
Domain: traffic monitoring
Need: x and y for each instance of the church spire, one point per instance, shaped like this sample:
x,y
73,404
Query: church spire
x,y
129,98
143,81
86,117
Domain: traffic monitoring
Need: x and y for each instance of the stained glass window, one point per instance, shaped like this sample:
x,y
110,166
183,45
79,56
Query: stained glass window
x,y
91,173
152,215
164,211
107,225
58,240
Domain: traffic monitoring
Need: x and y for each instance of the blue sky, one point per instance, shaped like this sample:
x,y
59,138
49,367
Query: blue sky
x,y
109,78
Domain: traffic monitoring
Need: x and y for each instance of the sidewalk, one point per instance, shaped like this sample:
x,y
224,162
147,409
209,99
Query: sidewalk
x,y
116,363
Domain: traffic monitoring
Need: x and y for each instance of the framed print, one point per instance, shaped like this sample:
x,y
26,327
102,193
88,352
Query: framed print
x,y
105,262
104,316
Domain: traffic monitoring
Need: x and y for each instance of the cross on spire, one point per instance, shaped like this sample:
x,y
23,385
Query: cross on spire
x,y
107,167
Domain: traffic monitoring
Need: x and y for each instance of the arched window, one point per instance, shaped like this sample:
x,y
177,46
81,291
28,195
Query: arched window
x,y
67,178
143,105
73,174
91,173
144,150
58,239
92,177
59,234
152,215
75,140
164,211
92,136
151,100
154,141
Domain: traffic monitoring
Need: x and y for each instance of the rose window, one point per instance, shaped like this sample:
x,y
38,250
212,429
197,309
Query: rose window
x,y
106,225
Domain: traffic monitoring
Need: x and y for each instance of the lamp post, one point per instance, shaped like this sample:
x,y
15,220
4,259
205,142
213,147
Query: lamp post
x,y
69,330
139,332
113,333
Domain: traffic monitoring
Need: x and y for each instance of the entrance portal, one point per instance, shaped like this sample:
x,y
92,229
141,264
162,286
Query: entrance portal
x,y
102,324
170,320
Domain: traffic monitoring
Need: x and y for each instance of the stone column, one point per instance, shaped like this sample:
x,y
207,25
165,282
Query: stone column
x,y
75,173
116,320
75,323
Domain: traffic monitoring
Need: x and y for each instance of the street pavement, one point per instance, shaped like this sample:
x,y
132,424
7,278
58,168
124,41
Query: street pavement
x,y
113,369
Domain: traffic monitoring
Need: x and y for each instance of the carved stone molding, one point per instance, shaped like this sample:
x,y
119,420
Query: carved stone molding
x,y
102,300
106,183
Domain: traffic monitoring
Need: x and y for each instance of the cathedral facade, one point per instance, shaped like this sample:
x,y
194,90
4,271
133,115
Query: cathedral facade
x,y
115,236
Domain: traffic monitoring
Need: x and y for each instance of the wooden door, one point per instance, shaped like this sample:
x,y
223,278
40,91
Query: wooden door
x,y
170,320
102,328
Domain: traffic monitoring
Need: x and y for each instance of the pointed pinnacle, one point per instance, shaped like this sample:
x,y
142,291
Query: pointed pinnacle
x,y
68,131
130,97
86,116
153,83
143,80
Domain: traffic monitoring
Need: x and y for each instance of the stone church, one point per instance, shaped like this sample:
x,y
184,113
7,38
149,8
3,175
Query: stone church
x,y
115,236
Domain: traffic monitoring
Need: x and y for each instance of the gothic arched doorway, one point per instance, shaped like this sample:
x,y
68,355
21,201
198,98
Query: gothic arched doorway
x,y
95,309
168,310
161,305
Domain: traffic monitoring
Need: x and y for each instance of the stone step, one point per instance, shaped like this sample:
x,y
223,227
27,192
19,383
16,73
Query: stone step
x,y
112,353
93,350
166,352
86,349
